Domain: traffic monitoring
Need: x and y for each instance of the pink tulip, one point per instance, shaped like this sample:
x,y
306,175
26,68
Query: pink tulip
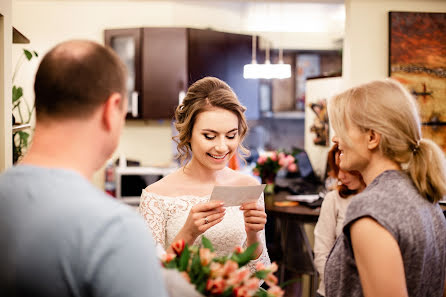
x,y
205,256
282,155
275,291
271,279
252,285
178,246
185,276
273,156
238,277
229,267
273,267
256,172
283,162
241,291
261,160
216,270
260,266
292,167
238,250
216,286
167,257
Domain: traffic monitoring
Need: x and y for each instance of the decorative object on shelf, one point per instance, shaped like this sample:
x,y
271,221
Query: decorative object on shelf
x,y
221,276
269,164
21,111
417,59
320,125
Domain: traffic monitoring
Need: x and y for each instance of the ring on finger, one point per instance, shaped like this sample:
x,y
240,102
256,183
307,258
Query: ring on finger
x,y
206,220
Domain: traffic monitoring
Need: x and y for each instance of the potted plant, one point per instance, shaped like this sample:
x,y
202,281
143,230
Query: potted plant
x,y
21,111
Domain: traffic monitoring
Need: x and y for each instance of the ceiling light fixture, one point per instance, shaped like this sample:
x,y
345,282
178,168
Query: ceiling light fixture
x,y
251,70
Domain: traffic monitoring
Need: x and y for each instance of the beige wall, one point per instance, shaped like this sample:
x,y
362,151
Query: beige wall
x,y
5,84
366,36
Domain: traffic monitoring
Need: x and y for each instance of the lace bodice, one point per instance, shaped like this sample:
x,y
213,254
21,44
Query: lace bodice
x,y
165,216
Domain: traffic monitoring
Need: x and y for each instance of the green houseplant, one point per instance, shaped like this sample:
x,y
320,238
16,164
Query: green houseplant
x,y
21,110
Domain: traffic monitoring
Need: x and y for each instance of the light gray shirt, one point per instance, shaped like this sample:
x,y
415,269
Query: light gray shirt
x,y
417,225
328,228
60,236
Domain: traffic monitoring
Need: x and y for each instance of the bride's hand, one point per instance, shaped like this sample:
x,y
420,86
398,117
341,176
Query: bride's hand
x,y
202,217
255,220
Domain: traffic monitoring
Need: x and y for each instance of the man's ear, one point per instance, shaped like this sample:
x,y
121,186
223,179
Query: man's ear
x,y
112,111
373,139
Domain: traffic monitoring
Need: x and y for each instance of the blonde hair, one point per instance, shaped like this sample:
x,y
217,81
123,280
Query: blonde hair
x,y
387,108
204,94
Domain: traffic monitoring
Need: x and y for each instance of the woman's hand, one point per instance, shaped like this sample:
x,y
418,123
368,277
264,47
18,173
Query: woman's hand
x,y
255,220
201,217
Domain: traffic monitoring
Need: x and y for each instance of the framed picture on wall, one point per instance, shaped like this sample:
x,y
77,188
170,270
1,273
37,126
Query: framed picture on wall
x,y
417,59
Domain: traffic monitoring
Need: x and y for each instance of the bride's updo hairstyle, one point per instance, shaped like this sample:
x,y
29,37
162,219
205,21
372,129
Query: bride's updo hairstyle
x,y
387,108
203,95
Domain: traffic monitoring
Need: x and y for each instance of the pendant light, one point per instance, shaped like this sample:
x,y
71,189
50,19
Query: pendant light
x,y
251,70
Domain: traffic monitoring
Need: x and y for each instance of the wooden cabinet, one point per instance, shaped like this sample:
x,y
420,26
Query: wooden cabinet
x,y
163,62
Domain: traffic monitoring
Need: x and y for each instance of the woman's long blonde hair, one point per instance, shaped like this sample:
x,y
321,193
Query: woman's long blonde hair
x,y
204,94
387,108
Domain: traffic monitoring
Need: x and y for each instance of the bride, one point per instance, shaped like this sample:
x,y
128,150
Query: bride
x,y
211,125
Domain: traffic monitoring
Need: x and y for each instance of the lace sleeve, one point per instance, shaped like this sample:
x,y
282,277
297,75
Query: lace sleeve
x,y
264,257
152,210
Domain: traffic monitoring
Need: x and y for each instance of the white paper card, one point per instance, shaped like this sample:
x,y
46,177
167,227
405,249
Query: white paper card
x,y
236,195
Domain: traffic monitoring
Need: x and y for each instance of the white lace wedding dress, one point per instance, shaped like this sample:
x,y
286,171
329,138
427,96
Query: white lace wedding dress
x,y
165,216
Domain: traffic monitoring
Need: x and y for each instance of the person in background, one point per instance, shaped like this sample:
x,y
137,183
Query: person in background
x,y
60,235
331,218
394,235
211,125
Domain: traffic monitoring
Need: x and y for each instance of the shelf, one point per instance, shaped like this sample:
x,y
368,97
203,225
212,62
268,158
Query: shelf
x,y
292,115
17,128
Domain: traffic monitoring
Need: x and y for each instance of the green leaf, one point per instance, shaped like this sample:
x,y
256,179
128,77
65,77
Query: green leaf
x,y
28,54
227,292
195,267
261,274
261,293
171,265
294,280
201,287
35,54
184,259
24,138
247,255
17,93
207,243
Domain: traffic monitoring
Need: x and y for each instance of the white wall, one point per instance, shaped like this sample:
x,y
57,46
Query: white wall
x,y
5,84
317,89
365,55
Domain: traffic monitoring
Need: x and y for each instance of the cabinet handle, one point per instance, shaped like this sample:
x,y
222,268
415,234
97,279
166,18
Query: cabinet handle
x,y
134,104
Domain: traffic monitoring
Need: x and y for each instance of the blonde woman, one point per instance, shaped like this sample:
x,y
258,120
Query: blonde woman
x,y
394,235
211,126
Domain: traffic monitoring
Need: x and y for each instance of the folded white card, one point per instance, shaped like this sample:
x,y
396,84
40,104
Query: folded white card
x,y
236,195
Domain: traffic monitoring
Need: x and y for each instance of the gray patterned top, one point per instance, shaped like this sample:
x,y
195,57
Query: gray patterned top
x,y
417,225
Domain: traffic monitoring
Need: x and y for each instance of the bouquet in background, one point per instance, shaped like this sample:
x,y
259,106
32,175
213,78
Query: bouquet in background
x,y
221,276
270,163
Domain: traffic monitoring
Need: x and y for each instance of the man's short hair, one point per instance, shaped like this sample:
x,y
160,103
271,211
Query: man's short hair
x,y
75,78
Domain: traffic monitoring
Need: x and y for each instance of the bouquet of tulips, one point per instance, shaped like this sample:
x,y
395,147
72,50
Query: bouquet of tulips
x,y
270,163
221,276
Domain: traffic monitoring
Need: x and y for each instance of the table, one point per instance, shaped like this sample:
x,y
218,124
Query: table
x,y
297,255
